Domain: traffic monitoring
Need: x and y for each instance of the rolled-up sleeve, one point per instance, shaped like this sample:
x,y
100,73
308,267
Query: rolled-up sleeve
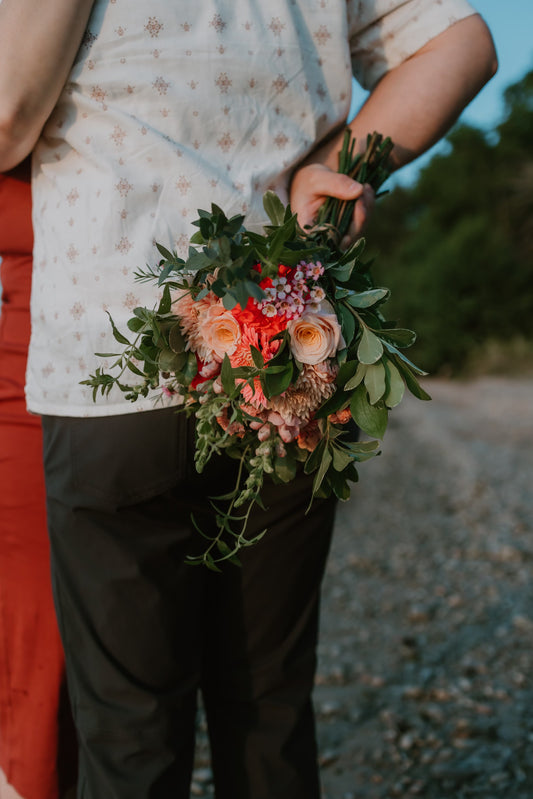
x,y
384,33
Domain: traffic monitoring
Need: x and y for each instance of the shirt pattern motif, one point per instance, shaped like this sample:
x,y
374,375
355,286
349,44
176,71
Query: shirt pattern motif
x,y
169,107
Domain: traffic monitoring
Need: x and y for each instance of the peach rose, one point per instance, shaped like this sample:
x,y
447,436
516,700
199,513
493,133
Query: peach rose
x,y
315,336
220,331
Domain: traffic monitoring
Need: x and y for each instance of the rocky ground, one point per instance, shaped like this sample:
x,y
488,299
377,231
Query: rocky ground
x,y
425,680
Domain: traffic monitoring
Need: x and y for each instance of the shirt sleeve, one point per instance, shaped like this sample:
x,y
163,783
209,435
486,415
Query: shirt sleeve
x,y
384,33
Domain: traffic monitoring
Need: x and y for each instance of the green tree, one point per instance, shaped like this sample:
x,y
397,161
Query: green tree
x,y
456,248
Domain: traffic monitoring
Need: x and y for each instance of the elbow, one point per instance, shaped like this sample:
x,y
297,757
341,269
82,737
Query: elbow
x,y
16,140
487,58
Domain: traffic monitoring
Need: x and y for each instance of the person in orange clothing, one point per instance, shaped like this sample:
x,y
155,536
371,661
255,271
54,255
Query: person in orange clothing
x,y
37,746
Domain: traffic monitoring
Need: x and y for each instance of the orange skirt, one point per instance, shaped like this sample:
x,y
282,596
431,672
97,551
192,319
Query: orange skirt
x,y
32,701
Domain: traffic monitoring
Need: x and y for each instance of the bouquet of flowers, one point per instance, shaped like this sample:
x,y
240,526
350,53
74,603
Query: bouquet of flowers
x,y
275,343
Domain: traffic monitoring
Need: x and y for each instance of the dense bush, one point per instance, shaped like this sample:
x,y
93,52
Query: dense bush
x,y
456,248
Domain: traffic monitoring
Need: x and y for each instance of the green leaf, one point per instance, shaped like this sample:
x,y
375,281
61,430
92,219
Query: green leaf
x,y
257,357
226,376
412,383
285,468
275,383
399,336
395,385
341,459
339,484
366,299
370,348
325,463
274,208
254,290
116,333
313,460
176,340
354,252
346,372
357,378
229,301
347,320
375,381
135,324
169,256
337,401
371,419
198,260
170,361
400,356
135,370
343,272
191,368
166,303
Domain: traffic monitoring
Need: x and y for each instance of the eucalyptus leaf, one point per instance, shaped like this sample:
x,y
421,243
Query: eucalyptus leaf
x,y
170,361
198,260
135,324
229,301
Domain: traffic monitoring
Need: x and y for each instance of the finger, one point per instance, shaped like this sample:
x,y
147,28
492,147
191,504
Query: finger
x,y
324,182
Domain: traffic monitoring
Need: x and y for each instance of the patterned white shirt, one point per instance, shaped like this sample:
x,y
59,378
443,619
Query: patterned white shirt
x,y
168,108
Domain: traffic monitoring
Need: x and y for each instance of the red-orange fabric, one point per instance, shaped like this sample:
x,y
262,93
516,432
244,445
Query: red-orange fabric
x,y
31,658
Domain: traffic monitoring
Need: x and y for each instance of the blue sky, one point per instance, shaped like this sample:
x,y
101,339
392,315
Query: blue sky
x,y
511,24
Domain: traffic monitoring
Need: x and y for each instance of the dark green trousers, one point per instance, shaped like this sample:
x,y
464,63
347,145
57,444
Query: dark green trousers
x,y
144,632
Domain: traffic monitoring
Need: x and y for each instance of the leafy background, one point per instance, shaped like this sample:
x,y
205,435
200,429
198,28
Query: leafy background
x,y
454,238
456,246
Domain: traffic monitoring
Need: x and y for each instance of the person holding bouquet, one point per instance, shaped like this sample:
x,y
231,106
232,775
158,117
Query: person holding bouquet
x,y
167,109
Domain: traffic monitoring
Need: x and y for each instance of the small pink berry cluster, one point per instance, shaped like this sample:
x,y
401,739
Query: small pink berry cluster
x,y
293,291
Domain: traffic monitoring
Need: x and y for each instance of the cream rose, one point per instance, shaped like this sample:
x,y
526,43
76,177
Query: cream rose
x,y
315,336
220,331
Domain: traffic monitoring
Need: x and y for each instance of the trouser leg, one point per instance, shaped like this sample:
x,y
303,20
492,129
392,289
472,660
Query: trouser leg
x,y
261,653
127,605
140,627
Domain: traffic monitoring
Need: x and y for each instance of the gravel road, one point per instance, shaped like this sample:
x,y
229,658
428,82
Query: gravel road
x,y
425,684
425,680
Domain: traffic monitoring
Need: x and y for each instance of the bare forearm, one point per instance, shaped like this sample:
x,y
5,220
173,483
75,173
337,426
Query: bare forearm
x,y
416,103
39,43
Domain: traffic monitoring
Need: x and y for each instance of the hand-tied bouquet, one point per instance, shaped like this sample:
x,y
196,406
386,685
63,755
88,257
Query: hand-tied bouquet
x,y
274,342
